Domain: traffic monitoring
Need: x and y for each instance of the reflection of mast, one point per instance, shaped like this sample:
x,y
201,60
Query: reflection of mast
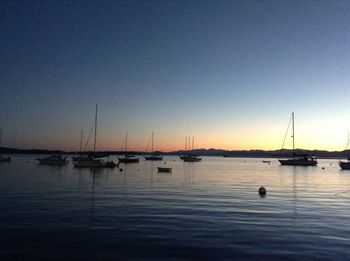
x,y
152,170
92,210
188,171
295,194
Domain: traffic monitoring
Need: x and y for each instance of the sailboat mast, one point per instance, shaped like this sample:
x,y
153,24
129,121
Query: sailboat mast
x,y
95,129
192,142
0,135
293,131
152,140
81,141
347,147
126,142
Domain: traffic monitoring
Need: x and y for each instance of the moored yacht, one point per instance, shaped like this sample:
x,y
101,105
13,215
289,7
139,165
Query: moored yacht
x,y
153,156
94,163
297,159
345,164
92,160
190,157
128,158
4,158
54,160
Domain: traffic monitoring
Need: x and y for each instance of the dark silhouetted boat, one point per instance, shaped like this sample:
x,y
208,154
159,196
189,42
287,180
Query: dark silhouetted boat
x,y
190,157
92,160
95,163
345,164
153,156
54,160
82,156
164,169
3,157
128,158
185,151
297,159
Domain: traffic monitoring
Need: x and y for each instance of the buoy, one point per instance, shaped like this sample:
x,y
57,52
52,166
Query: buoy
x,y
262,191
120,169
322,167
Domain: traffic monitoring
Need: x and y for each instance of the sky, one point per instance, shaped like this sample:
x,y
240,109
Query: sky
x,y
229,73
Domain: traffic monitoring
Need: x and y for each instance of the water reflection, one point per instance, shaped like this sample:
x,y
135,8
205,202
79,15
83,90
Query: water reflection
x,y
140,214
188,172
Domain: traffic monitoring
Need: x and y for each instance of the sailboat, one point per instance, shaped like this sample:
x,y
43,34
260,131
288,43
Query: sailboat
x,y
3,157
58,160
191,157
93,161
82,156
186,153
153,156
297,159
128,158
345,164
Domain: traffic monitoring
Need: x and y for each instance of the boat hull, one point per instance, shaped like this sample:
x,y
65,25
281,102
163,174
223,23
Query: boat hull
x,y
191,159
154,158
298,162
5,159
109,164
344,165
94,164
129,160
53,162
163,169
82,158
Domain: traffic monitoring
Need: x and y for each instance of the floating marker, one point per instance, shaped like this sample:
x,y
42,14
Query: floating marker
x,y
262,191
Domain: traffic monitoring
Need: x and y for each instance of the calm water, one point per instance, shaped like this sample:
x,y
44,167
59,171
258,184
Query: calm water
x,y
206,210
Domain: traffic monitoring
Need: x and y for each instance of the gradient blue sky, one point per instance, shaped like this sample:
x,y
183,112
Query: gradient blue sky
x,y
227,72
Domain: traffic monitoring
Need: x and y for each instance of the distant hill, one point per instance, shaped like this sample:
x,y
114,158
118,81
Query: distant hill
x,y
263,153
201,152
29,151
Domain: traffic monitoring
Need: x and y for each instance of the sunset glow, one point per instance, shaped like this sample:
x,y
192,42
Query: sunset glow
x,y
228,73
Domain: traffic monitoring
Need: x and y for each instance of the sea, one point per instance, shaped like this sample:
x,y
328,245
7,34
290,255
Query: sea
x,y
208,210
